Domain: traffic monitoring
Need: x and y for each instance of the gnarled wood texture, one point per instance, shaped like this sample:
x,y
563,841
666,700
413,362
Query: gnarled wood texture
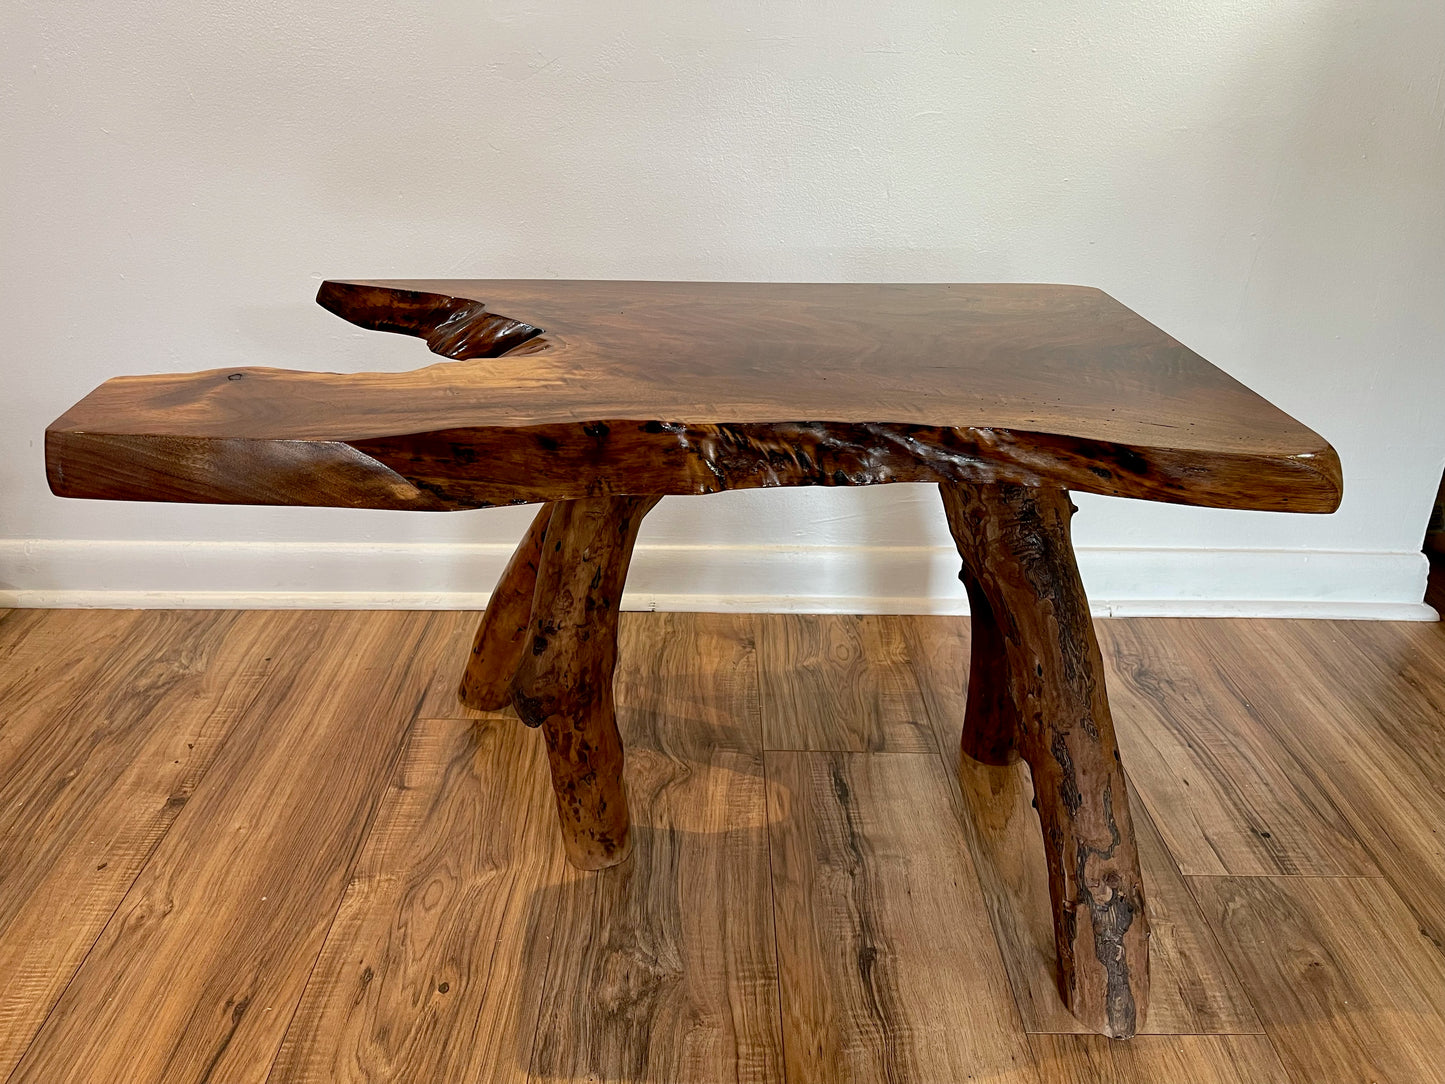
x,y
595,388
506,627
564,684
600,397
1014,541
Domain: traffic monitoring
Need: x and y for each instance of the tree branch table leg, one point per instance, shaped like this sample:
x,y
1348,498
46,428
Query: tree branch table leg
x,y
991,716
1040,682
564,681
506,626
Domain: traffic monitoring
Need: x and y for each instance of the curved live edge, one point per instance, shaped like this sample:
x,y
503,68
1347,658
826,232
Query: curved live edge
x,y
588,389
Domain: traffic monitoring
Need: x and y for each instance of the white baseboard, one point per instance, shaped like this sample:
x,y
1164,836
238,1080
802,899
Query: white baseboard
x,y
782,579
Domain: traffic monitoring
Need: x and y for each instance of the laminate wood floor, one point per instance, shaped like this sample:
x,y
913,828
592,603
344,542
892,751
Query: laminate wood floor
x,y
270,846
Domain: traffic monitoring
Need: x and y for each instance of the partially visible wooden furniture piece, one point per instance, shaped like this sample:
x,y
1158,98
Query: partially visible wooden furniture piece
x,y
595,399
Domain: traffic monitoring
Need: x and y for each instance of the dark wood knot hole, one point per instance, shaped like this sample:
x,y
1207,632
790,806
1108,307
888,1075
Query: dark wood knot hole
x,y
470,331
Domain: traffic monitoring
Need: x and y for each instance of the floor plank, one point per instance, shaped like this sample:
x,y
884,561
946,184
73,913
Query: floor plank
x,y
200,968
47,658
663,969
842,682
691,678
1349,989
1369,730
1192,988
432,970
440,701
96,770
279,748
1227,795
1157,1059
888,967
938,651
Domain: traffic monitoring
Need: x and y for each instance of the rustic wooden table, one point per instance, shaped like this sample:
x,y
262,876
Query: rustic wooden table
x,y
595,399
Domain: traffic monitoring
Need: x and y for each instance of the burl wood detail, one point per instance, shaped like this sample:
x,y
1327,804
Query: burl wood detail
x,y
594,399
1036,686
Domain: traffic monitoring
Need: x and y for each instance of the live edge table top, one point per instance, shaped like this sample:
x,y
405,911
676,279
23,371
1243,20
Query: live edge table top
x,y
556,390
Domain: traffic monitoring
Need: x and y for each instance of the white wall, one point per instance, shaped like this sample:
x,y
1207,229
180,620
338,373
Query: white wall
x,y
1265,179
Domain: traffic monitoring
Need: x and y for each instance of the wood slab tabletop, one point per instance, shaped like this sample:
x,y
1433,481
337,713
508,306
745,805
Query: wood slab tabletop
x,y
555,389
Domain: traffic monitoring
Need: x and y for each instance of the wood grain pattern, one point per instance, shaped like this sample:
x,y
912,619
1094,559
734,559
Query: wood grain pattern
x,y
1015,546
429,972
1349,989
46,658
888,968
85,797
1192,988
668,973
197,973
1177,1059
699,387
842,682
663,968
692,677
1227,795
440,701
1373,743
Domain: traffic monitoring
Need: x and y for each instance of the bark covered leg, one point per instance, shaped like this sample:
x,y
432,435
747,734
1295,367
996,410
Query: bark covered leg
x,y
564,682
1014,541
506,626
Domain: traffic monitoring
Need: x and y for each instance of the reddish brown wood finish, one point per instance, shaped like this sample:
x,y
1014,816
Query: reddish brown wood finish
x,y
990,719
564,683
599,397
592,388
506,627
1014,541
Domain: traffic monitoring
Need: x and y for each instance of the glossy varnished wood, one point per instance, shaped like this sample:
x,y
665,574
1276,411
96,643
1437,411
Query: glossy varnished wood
x,y
564,682
506,632
1192,988
573,389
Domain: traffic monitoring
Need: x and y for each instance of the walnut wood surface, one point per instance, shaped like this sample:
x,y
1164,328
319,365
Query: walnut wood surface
x,y
571,389
1014,541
